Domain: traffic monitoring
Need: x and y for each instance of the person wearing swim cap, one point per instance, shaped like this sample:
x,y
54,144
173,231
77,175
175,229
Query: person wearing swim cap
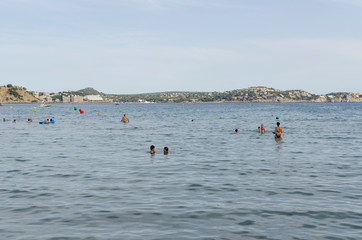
x,y
124,119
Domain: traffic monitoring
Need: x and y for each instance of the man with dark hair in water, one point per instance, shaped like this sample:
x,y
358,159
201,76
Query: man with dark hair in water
x,y
278,131
165,150
152,149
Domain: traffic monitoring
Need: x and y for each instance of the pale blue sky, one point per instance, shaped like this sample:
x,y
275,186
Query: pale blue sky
x,y
136,46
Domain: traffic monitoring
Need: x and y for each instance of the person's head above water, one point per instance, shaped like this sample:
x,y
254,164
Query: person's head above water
x,y
165,150
278,124
152,149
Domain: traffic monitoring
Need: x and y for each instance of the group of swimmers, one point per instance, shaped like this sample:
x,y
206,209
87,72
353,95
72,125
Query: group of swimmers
x,y
277,132
47,121
261,129
153,150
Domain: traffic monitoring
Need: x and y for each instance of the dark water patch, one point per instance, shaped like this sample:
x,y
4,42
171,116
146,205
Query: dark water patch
x,y
301,193
328,191
28,209
352,226
309,226
270,193
19,191
247,223
64,175
353,197
21,160
319,214
13,171
45,195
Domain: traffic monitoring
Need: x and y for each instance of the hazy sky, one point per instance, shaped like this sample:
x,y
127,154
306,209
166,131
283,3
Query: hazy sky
x,y
136,46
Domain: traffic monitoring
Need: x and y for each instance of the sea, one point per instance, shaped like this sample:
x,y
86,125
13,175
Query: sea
x,y
90,176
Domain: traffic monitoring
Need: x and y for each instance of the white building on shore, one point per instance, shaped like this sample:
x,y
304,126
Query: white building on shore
x,y
93,98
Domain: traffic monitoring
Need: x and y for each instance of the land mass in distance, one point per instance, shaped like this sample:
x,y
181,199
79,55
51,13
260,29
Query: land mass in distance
x,y
16,94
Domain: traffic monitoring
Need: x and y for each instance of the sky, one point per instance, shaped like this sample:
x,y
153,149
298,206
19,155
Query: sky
x,y
141,46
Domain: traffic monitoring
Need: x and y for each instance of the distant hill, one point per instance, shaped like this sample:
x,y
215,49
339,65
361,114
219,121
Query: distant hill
x,y
15,94
251,94
86,91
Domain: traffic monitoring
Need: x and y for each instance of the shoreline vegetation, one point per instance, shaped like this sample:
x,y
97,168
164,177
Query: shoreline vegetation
x,y
15,94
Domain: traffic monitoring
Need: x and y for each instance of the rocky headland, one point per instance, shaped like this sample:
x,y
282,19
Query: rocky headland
x,y
15,94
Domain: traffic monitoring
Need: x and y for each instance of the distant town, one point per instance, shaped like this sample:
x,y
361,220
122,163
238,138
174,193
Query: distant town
x,y
17,94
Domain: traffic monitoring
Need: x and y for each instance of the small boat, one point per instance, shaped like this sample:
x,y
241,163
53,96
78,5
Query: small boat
x,y
45,105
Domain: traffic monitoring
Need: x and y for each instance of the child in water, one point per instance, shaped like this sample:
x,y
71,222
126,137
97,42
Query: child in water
x,y
236,131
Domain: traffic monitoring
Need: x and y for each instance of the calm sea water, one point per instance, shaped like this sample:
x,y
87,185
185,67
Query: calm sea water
x,y
91,177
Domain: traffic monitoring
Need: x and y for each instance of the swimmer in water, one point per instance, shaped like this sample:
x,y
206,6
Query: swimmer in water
x,y
4,120
124,119
278,131
152,149
262,129
259,130
236,131
165,150
29,120
46,121
14,121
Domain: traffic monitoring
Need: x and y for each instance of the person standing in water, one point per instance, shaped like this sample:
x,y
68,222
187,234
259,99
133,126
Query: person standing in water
x,y
124,119
262,129
278,131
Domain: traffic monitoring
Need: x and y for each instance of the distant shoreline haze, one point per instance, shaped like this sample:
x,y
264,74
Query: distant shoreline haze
x,y
16,94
